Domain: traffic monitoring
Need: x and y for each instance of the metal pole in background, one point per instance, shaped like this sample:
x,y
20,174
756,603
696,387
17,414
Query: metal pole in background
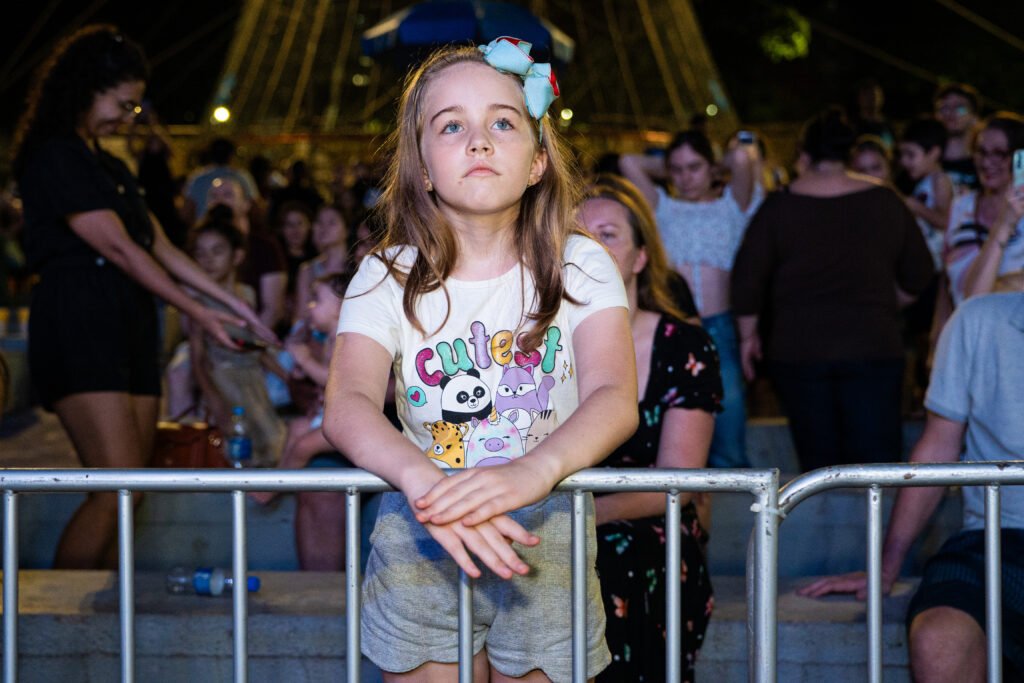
x,y
993,585
240,592
353,599
126,582
673,599
10,587
874,564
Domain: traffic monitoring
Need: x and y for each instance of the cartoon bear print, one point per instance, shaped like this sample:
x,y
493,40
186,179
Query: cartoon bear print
x,y
448,447
517,389
542,424
464,397
494,441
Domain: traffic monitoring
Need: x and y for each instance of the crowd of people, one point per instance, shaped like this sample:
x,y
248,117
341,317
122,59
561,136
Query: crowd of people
x,y
477,304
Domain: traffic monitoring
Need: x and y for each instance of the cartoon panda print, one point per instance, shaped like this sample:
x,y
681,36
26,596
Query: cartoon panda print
x,y
464,397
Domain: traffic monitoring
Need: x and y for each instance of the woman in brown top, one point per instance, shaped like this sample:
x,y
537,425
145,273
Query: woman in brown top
x,y
824,264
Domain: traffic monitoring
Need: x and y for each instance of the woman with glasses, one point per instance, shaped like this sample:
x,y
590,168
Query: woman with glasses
x,y
985,238
101,257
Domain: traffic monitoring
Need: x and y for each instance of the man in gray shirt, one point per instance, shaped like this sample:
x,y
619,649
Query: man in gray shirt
x,y
975,405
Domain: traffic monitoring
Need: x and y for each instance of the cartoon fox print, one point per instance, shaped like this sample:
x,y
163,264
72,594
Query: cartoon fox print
x,y
448,446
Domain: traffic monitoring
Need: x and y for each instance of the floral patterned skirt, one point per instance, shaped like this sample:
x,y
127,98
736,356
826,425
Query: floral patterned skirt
x,y
631,566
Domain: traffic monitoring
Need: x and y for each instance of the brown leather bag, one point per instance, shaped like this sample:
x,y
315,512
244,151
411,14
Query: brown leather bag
x,y
187,446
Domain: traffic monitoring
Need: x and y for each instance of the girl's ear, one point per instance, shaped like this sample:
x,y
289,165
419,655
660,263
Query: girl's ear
x,y
538,166
239,257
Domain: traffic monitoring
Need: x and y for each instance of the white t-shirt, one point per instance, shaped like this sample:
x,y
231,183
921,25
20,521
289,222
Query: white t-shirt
x,y
466,393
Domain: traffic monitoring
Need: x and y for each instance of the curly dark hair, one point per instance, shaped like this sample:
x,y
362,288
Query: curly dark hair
x,y
89,61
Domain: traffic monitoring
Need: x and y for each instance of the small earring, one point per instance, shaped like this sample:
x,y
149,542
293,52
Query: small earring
x,y
429,185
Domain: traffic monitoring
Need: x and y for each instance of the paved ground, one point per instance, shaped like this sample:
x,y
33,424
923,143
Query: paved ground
x,y
34,439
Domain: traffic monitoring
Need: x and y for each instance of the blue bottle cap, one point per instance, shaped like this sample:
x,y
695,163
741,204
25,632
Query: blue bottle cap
x,y
252,584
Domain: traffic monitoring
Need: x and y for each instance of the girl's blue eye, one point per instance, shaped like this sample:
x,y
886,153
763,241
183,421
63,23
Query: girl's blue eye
x,y
451,127
503,124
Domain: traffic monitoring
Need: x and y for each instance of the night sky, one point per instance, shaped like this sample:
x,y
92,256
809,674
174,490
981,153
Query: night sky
x,y
903,44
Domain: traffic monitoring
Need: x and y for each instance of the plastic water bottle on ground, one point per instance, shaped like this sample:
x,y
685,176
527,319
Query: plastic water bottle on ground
x,y
206,581
239,443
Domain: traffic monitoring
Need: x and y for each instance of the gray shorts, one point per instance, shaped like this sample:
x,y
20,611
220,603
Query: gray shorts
x,y
410,597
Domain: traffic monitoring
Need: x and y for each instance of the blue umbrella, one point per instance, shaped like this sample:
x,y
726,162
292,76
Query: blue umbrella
x,y
406,36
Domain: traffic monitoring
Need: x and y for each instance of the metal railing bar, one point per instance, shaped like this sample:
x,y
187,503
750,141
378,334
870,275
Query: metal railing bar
x,y
899,475
765,581
673,579
126,582
993,585
579,587
10,587
353,584
240,590
465,628
228,480
874,564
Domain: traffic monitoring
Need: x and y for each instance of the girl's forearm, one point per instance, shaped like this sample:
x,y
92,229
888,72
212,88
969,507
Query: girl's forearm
x,y
357,427
603,421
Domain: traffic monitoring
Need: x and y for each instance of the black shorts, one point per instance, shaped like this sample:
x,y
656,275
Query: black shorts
x,y
955,577
92,328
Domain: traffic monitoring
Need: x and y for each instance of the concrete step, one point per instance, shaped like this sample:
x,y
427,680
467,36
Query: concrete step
x,y
68,630
818,640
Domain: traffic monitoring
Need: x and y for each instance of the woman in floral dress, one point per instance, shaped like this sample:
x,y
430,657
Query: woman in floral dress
x,y
680,391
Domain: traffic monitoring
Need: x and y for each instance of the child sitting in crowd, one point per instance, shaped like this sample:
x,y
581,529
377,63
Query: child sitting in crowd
x,y
921,157
232,377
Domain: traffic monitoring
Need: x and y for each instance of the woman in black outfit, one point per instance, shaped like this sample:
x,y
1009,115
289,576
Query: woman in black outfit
x,y
827,264
101,257
680,390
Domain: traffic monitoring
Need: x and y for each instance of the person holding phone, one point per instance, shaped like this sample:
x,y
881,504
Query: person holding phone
x,y
701,226
985,238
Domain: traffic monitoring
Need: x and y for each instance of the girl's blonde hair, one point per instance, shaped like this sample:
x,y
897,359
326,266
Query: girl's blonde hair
x,y
654,292
546,214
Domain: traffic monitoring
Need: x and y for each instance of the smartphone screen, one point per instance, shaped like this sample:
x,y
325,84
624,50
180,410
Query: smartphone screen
x,y
1018,169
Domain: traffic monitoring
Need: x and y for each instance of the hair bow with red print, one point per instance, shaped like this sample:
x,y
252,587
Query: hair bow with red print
x,y
512,55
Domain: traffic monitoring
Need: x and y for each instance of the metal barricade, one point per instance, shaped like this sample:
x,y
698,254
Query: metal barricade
x,y
763,485
874,478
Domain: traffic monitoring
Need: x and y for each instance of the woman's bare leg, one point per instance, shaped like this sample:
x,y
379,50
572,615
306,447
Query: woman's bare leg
x,y
104,429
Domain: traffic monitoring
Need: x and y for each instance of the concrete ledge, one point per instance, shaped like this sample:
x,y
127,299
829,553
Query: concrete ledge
x,y
69,630
818,640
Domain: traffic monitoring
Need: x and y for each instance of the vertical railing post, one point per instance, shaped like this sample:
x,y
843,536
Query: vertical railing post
x,y
766,555
240,591
673,602
126,582
579,587
353,599
874,564
10,587
465,628
993,584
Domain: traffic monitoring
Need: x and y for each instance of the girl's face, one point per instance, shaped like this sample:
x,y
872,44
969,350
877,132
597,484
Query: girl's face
x,y
328,229
992,159
324,308
111,108
215,256
295,231
608,221
689,173
478,148
869,162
